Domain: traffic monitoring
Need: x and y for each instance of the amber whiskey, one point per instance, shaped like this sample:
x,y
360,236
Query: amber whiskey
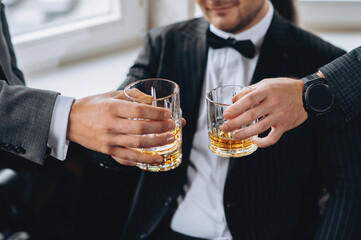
x,y
222,144
171,153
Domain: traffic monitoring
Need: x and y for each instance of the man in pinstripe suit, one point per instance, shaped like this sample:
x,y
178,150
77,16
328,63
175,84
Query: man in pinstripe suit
x,y
273,193
343,76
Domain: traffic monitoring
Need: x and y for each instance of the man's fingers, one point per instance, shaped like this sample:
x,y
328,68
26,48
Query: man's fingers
x,y
118,94
131,156
127,109
259,127
138,95
242,93
124,161
247,102
244,119
144,126
142,141
271,139
184,122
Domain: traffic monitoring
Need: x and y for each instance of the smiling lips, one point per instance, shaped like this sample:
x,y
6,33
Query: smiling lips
x,y
222,8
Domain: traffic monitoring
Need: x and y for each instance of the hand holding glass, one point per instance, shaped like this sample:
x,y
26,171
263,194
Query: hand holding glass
x,y
165,94
219,142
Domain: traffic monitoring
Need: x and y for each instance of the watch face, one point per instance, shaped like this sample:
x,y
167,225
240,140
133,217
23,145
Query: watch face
x,y
319,97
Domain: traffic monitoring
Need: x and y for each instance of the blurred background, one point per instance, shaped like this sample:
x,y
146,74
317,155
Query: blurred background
x,y
85,47
72,45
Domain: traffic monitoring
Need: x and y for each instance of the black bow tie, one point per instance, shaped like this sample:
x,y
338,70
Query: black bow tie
x,y
246,47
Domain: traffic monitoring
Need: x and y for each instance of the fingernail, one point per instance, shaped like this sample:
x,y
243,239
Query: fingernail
x,y
170,139
167,115
159,160
225,128
171,125
226,115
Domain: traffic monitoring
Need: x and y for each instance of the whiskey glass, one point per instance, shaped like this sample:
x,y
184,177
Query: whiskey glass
x,y
162,93
219,142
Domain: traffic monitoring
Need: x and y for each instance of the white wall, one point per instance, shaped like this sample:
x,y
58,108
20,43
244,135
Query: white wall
x,y
338,22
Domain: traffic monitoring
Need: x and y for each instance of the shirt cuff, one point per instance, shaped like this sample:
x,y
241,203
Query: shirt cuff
x,y
59,122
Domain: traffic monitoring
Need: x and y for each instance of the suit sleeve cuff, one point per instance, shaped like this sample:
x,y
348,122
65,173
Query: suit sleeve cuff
x,y
57,135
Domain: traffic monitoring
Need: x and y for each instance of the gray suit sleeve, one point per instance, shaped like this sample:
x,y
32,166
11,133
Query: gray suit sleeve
x,y
25,120
344,77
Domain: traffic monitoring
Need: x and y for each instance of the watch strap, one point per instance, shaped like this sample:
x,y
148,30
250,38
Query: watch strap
x,y
311,79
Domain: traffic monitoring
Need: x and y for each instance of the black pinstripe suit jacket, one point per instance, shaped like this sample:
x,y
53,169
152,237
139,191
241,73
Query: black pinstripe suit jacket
x,y
344,78
273,193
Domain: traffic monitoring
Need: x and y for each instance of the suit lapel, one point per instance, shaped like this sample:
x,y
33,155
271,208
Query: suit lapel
x,y
194,61
274,60
192,57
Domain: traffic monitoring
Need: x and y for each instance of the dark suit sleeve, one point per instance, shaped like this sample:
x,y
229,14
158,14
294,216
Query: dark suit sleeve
x,y
145,66
344,77
340,145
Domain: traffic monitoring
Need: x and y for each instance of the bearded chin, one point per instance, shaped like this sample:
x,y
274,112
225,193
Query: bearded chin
x,y
230,26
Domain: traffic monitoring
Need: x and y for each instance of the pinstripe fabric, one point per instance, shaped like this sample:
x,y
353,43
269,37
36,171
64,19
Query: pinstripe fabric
x,y
344,77
342,215
25,113
273,193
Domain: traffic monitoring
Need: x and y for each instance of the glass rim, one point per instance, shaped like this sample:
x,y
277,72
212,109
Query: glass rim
x,y
147,79
218,103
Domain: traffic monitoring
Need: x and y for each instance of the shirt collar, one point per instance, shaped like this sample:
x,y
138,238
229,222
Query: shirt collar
x,y
255,34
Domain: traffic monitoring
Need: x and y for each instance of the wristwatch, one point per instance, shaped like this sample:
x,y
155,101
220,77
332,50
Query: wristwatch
x,y
317,96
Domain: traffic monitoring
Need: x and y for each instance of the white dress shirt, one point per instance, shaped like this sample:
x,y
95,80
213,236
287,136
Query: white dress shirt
x,y
200,213
59,123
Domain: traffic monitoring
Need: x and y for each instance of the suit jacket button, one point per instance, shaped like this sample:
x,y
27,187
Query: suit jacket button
x,y
19,150
8,147
168,201
104,165
229,205
143,236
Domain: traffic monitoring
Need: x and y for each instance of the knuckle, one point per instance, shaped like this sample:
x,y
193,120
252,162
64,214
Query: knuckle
x,y
275,103
141,127
108,107
134,156
249,100
252,115
135,143
107,149
266,87
264,145
272,140
262,126
277,100
270,87
105,126
137,110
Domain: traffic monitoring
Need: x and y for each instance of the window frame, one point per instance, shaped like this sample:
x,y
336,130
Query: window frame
x,y
56,45
330,15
